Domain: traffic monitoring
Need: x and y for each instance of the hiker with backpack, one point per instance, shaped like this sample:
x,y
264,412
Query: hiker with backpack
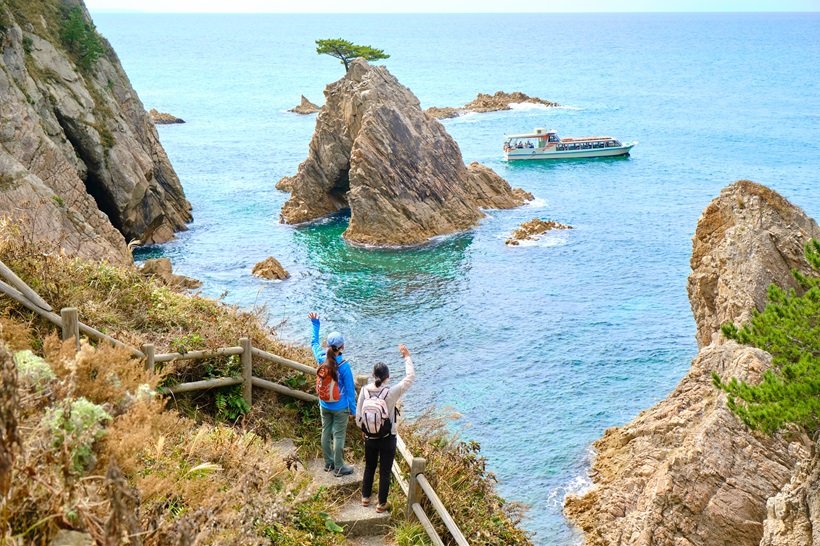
x,y
337,397
376,415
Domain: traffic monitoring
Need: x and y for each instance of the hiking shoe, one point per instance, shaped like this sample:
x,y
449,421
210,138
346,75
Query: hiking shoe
x,y
344,470
380,508
329,467
365,501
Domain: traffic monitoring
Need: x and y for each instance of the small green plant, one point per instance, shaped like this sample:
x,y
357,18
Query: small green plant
x,y
788,329
75,425
411,534
32,369
230,405
187,343
80,38
28,44
58,201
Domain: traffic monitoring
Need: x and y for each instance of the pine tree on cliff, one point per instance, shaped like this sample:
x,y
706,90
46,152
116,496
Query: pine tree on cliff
x,y
347,51
789,330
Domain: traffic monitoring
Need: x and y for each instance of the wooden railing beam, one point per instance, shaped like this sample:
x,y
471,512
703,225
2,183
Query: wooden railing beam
x,y
247,370
427,524
71,325
442,511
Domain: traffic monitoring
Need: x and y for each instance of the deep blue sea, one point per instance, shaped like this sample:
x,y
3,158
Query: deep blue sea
x,y
540,348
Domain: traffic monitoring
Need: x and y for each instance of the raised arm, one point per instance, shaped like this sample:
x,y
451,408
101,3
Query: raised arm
x,y
318,353
401,387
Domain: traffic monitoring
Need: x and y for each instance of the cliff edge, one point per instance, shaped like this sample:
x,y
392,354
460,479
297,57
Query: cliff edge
x,y
81,164
402,176
687,472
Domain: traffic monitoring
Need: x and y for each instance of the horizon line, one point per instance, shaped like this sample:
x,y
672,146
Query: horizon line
x,y
154,12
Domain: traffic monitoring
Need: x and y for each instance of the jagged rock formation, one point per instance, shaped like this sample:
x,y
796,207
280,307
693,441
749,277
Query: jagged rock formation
x,y
270,269
532,229
488,103
80,161
305,107
163,118
162,270
402,176
687,472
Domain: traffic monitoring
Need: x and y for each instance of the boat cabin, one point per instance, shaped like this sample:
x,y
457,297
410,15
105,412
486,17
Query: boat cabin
x,y
542,139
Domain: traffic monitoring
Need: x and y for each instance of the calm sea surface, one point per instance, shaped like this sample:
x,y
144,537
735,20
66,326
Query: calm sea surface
x,y
539,347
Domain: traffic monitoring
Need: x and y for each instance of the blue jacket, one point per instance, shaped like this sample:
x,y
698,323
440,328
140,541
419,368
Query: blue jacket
x,y
347,386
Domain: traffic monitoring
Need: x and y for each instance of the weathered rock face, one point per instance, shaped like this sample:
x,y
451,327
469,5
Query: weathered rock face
x,y
305,107
163,118
270,269
687,471
532,229
792,515
161,269
402,176
488,103
80,161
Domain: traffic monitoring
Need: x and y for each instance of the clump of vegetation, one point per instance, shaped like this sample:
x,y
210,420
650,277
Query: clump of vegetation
x,y
80,38
459,474
75,425
33,370
788,329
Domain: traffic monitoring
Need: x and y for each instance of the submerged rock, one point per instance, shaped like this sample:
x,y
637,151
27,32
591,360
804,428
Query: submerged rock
x,y
270,269
375,152
161,269
305,107
687,471
161,118
531,229
81,165
489,103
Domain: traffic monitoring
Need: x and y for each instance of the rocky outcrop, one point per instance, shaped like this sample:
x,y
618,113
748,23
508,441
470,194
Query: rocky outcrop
x,y
81,165
270,269
377,153
792,515
162,270
687,472
162,118
305,107
532,229
489,103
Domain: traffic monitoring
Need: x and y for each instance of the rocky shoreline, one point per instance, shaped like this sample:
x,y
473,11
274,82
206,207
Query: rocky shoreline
x,y
489,103
687,471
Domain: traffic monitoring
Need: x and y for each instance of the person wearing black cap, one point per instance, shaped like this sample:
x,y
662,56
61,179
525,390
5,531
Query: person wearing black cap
x,y
337,402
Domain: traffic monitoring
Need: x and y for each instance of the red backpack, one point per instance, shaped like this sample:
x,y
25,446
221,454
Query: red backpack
x,y
326,387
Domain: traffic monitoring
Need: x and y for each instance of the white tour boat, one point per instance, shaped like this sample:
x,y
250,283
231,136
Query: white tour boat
x,y
542,144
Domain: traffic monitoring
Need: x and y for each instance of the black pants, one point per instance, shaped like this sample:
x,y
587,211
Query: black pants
x,y
381,452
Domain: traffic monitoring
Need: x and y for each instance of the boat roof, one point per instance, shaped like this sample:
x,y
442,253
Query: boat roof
x,y
533,134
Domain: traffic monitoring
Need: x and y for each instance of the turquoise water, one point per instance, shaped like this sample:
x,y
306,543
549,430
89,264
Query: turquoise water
x,y
539,347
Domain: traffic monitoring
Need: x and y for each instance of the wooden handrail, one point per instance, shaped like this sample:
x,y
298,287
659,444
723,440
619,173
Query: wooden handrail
x,y
442,511
198,355
205,384
428,526
284,361
281,389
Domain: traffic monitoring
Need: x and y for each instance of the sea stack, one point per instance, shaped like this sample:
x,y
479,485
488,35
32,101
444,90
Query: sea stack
x,y
402,176
687,471
305,107
81,165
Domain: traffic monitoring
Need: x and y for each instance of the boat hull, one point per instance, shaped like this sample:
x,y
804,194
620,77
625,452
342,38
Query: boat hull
x,y
531,154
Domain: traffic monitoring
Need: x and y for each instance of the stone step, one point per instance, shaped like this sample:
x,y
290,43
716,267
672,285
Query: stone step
x,y
349,483
359,521
370,541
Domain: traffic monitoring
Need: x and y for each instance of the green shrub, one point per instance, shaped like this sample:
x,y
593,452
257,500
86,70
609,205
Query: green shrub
x,y
789,330
80,38
32,369
75,425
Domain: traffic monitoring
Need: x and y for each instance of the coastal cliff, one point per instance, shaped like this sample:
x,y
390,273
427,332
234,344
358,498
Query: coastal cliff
x,y
81,165
687,471
402,176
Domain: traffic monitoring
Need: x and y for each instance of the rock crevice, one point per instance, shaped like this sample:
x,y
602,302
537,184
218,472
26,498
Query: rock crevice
x,y
402,176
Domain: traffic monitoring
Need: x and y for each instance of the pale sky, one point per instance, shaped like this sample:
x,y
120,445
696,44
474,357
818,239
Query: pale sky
x,y
446,6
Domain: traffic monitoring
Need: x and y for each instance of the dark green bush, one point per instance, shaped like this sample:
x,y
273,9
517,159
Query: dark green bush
x,y
80,38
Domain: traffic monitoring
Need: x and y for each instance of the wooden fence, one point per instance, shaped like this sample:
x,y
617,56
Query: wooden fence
x,y
413,486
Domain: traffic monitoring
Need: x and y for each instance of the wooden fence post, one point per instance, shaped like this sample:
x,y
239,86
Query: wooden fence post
x,y
71,325
247,370
416,468
148,351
